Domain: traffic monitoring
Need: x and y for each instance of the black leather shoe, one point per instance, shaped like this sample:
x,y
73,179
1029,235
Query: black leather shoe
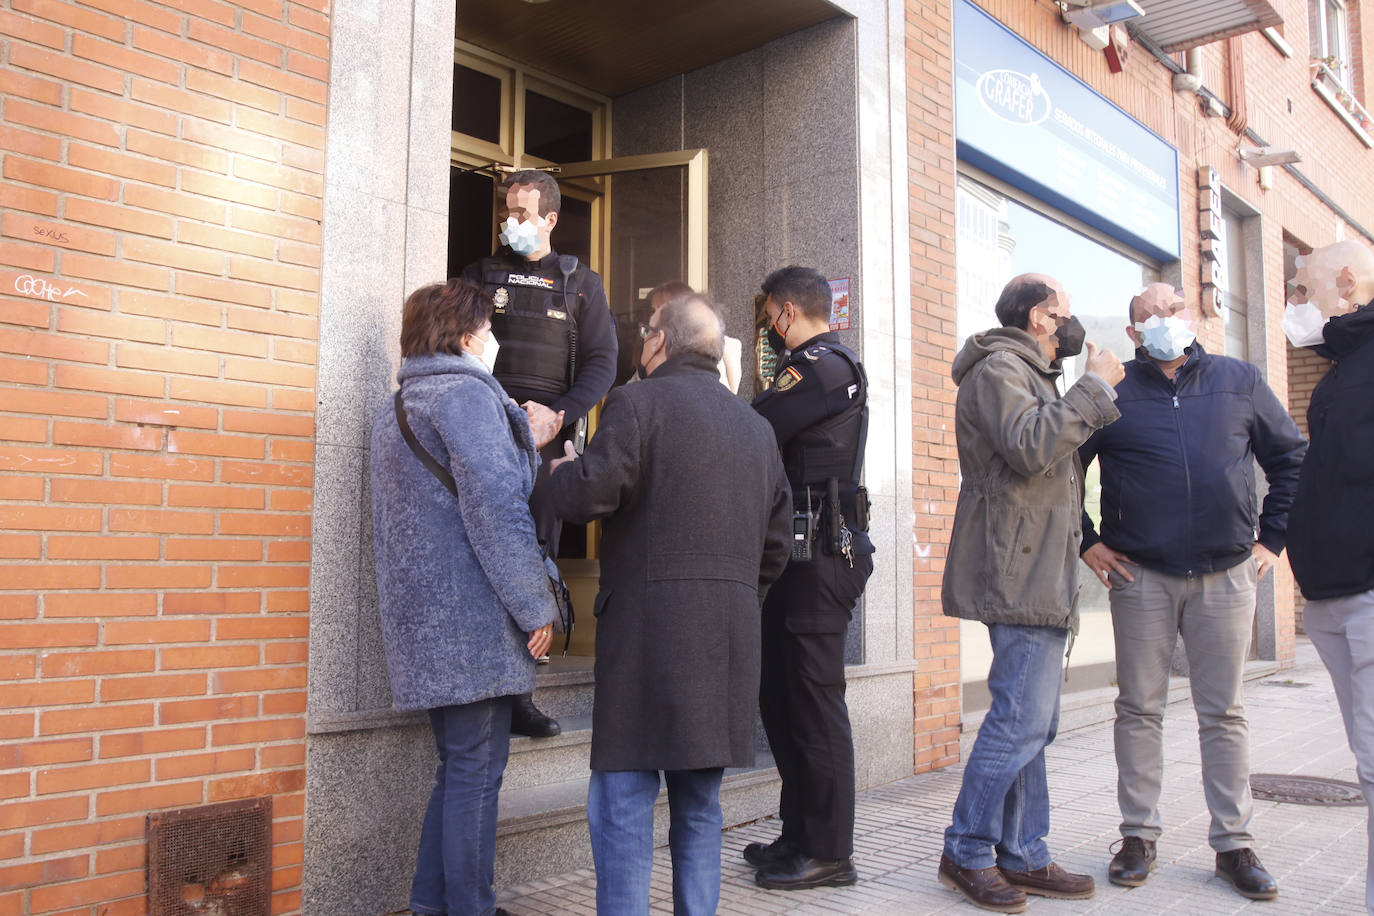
x,y
801,872
983,887
1243,869
762,855
1132,864
526,720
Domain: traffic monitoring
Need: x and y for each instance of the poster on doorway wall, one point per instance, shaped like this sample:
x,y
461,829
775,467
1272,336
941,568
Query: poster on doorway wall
x,y
839,304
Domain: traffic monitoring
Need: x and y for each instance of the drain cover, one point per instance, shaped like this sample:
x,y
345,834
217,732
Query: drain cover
x,y
1305,790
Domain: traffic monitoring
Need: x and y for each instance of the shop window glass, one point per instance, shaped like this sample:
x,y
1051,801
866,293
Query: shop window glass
x,y
997,239
476,104
557,131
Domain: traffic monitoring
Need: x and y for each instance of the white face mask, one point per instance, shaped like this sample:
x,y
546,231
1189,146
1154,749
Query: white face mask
x,y
523,238
1303,324
489,349
1165,338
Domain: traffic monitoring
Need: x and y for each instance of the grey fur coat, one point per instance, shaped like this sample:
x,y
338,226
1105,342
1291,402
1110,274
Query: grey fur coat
x,y
460,582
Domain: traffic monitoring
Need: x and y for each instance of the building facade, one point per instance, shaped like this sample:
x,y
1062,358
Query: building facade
x,y
213,210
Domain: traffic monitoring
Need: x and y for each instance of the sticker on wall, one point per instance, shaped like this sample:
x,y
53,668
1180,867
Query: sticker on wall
x,y
839,304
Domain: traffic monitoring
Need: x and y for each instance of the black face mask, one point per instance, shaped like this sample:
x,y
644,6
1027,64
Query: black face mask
x,y
640,368
1070,336
776,341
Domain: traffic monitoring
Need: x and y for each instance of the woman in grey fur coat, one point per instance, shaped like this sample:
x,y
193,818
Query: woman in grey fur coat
x,y
464,598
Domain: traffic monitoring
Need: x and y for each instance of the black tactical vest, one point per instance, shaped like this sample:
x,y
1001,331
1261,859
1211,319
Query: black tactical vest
x,y
534,320
833,447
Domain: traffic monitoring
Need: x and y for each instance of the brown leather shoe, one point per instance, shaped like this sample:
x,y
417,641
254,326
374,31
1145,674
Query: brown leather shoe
x,y
1243,869
984,887
1132,864
1051,881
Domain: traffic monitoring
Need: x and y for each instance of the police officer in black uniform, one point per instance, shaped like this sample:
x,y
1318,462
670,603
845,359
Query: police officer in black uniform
x,y
557,346
818,409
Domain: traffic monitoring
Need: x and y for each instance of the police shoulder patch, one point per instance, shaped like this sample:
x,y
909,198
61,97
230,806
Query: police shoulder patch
x,y
790,376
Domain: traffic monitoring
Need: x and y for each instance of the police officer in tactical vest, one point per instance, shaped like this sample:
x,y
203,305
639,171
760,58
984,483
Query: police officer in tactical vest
x,y
557,346
818,409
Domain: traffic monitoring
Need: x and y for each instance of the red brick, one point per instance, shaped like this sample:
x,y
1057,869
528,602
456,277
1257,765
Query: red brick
x,y
56,897
179,204
273,30
24,429
95,718
301,110
82,836
21,546
233,41
192,233
227,189
281,704
256,732
62,123
58,178
264,523
174,795
157,687
125,60
197,338
275,224
290,300
166,359
287,602
14,83
134,167
212,603
117,272
33,635
159,577
282,755
62,234
216,496
164,413
192,443
16,726
190,765
102,548
161,521
180,712
156,632
161,467
53,346
233,139
289,551
46,811
27,257
263,577
288,449
102,605
31,200
184,51
273,125
210,549
23,371
209,657
269,372
18,607
15,668
53,461
109,437
257,784
114,381
308,65
116,327
168,98
115,217
53,693
182,257
258,681
94,776
271,424
161,741
122,858
58,518
122,112
64,750
173,307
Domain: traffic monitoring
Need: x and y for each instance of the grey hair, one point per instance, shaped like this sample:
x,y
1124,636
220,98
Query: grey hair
x,y
689,329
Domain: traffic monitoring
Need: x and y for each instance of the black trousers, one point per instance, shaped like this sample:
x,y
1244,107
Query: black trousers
x,y
801,699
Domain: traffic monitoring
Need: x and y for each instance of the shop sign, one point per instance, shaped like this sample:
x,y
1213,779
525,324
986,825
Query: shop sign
x,y
1024,119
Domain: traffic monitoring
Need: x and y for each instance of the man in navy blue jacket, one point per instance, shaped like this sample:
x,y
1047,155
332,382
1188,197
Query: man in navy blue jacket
x,y
1181,550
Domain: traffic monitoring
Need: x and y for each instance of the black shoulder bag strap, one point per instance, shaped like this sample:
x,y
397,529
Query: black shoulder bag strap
x,y
556,584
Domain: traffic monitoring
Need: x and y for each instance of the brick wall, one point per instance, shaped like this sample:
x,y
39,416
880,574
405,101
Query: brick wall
x,y
159,267
934,463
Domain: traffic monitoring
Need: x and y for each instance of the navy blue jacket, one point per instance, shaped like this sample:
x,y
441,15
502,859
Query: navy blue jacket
x,y
1178,468
1332,549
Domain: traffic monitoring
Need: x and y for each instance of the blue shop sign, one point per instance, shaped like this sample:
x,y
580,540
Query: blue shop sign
x,y
1021,117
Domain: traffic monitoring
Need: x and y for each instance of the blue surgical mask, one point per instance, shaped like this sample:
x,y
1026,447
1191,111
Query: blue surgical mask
x,y
1165,338
522,237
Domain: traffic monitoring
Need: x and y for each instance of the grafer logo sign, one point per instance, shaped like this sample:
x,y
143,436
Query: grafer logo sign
x,y
1014,97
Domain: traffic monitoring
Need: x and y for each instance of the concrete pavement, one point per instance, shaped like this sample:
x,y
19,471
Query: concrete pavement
x,y
1316,853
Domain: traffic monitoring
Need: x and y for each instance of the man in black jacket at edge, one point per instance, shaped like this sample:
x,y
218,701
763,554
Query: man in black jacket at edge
x,y
819,414
1331,525
1181,550
558,346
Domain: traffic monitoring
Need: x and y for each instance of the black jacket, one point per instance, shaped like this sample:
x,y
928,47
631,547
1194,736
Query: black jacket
x,y
1178,468
696,524
1331,525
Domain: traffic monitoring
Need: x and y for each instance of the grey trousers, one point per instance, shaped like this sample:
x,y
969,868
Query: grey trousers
x,y
1342,629
1214,613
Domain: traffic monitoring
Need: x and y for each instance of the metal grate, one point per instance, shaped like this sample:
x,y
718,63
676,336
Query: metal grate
x,y
211,860
1305,790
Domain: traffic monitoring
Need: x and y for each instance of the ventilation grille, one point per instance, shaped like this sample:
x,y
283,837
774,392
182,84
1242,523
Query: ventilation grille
x,y
211,860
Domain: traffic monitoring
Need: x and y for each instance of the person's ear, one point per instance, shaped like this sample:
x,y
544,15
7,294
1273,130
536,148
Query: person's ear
x,y
1345,283
1134,335
551,220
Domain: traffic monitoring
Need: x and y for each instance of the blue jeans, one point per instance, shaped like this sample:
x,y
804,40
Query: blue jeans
x,y
620,817
1003,811
457,860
